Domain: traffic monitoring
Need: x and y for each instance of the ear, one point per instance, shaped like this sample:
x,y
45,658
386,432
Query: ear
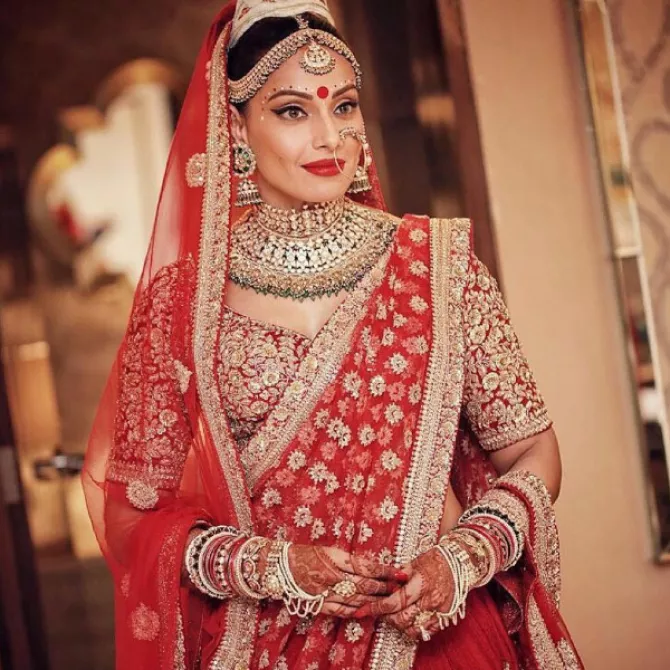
x,y
238,126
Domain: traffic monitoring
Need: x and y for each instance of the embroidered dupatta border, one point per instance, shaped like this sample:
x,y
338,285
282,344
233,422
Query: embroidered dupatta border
x,y
236,646
434,444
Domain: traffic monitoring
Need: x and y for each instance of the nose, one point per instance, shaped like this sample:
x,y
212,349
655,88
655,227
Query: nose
x,y
327,135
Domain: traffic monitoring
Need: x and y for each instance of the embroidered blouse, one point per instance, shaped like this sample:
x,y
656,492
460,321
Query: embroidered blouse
x,y
257,362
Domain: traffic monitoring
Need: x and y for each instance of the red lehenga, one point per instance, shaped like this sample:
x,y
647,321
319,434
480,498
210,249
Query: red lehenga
x,y
349,440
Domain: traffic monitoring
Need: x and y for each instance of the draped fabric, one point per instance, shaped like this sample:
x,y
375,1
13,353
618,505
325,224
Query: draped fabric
x,y
415,369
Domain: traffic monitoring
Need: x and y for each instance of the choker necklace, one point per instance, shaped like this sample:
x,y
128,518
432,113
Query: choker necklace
x,y
308,253
300,223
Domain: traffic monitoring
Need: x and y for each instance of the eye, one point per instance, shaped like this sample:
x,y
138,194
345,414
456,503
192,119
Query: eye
x,y
290,112
347,107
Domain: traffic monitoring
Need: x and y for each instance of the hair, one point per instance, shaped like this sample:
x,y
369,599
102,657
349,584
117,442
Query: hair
x,y
263,36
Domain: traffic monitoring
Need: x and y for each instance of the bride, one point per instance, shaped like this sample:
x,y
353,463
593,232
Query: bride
x,y
321,445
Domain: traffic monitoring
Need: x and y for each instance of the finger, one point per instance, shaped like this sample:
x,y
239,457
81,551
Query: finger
x,y
404,619
396,602
354,601
375,570
372,587
338,610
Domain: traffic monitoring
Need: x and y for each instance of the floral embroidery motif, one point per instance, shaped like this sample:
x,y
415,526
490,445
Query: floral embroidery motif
x,y
145,623
502,400
196,170
353,631
152,434
183,376
257,363
141,495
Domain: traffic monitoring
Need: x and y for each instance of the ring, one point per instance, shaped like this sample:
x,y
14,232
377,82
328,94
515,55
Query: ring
x,y
420,621
346,588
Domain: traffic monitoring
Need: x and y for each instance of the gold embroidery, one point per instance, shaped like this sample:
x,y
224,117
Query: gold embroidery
x,y
502,400
236,647
329,347
141,495
183,376
152,435
567,652
432,452
196,170
543,646
180,648
544,539
144,623
257,362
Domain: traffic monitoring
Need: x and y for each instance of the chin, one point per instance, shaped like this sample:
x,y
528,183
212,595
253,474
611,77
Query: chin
x,y
323,192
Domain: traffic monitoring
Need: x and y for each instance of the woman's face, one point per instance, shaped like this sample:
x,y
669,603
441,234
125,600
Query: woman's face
x,y
293,126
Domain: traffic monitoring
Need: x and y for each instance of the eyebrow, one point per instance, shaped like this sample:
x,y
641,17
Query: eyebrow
x,y
288,91
343,90
307,96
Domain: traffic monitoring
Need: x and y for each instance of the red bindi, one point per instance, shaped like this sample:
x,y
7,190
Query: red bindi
x,y
323,92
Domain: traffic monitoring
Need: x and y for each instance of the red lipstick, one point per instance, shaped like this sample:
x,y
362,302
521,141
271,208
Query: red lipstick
x,y
325,168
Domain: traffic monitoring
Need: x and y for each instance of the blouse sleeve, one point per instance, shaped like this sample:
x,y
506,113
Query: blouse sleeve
x,y
501,399
152,435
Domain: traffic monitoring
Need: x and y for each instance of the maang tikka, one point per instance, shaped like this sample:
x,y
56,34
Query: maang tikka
x,y
244,165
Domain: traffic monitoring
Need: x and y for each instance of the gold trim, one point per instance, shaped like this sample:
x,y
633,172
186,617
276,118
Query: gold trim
x,y
140,71
543,537
433,449
544,648
236,645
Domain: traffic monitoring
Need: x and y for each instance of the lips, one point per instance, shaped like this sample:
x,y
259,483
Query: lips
x,y
325,168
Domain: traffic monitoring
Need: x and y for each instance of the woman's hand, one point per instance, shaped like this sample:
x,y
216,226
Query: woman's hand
x,y
430,589
352,581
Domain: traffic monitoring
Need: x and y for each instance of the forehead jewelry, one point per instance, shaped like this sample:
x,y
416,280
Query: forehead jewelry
x,y
316,59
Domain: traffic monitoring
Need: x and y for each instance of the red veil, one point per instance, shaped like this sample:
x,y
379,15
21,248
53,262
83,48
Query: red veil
x,y
141,452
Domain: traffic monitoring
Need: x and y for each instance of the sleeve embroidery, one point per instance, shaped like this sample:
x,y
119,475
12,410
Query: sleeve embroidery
x,y
502,401
152,436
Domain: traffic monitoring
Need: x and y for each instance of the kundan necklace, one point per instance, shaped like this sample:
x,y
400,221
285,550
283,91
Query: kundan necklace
x,y
318,250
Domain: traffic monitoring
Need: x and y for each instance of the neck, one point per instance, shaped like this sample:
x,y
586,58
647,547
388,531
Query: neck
x,y
274,198
309,220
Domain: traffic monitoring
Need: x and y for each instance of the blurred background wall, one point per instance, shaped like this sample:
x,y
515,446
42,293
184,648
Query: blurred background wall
x,y
641,41
56,53
559,284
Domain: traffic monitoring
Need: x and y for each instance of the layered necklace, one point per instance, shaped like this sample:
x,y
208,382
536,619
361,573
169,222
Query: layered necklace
x,y
308,253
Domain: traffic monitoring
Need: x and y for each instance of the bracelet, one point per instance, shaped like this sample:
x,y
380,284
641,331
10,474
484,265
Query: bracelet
x,y
461,567
195,557
279,583
506,518
473,539
298,602
236,567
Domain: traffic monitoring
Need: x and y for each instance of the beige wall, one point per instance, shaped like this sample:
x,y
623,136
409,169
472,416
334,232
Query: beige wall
x,y
560,289
643,59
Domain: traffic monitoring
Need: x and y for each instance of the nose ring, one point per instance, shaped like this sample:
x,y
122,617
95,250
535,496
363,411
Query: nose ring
x,y
362,138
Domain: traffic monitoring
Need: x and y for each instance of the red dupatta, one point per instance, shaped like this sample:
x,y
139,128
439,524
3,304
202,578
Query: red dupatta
x,y
357,454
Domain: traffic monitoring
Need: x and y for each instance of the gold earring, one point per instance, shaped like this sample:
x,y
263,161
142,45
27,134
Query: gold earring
x,y
244,165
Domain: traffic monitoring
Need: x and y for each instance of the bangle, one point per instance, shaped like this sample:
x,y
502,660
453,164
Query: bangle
x,y
196,556
461,567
